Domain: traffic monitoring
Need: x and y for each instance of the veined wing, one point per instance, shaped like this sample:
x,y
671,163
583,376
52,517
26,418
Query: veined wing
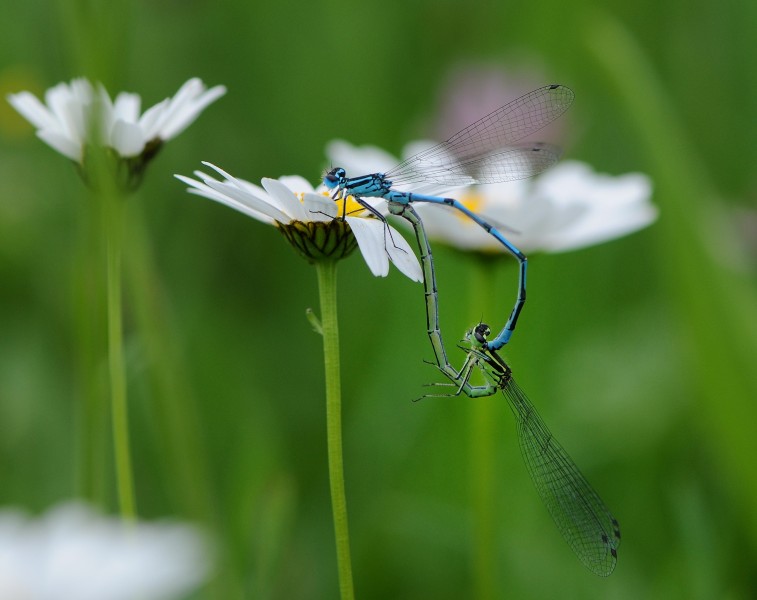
x,y
577,510
509,164
489,136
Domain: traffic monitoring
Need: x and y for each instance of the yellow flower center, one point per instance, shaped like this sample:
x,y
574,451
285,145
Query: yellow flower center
x,y
473,202
350,206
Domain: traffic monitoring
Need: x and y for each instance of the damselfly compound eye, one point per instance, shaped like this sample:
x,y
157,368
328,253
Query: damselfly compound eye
x,y
334,177
481,332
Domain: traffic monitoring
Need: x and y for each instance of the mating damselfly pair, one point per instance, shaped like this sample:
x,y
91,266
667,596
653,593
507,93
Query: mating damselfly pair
x,y
488,151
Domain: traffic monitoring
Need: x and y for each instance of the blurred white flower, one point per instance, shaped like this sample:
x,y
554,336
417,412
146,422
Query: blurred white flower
x,y
316,225
65,120
592,207
78,115
75,553
565,208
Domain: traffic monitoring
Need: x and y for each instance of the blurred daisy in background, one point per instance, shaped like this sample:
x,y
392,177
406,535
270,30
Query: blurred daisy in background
x,y
79,114
73,552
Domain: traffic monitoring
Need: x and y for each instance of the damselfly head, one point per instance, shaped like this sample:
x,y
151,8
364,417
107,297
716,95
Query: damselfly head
x,y
334,177
481,332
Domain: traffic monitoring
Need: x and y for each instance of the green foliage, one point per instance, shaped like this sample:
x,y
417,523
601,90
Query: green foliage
x,y
639,353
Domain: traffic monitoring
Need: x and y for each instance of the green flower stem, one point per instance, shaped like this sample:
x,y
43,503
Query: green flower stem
x,y
89,316
327,290
174,405
482,451
116,364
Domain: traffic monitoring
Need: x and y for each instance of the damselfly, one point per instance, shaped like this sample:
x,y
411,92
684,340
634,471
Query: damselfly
x,y
577,510
484,152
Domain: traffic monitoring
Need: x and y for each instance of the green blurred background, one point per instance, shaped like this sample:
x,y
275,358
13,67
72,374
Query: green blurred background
x,y
639,353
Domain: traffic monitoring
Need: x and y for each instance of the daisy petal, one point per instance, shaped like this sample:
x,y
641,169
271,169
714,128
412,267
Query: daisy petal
x,y
62,143
126,138
218,170
319,208
58,98
234,193
187,106
33,110
126,107
608,206
402,256
72,117
597,230
242,184
172,105
226,201
286,198
369,234
251,206
105,115
152,118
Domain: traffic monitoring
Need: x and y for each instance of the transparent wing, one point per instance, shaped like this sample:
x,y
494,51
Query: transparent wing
x,y
517,162
485,143
578,511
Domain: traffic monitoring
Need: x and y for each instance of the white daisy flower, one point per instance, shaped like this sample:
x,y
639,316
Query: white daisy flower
x,y
79,114
74,552
319,227
565,208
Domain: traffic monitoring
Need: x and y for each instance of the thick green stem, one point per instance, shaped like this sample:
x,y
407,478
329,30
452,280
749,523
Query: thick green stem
x,y
482,452
327,290
116,363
